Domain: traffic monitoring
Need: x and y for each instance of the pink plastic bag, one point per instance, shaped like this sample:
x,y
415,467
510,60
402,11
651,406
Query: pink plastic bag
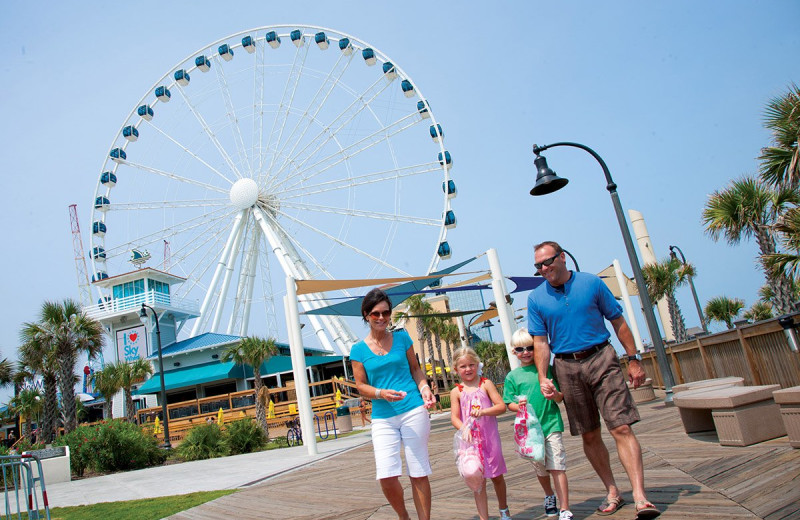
x,y
528,433
468,450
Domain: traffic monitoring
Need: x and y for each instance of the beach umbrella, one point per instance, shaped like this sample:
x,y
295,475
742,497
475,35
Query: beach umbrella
x,y
220,417
157,427
271,410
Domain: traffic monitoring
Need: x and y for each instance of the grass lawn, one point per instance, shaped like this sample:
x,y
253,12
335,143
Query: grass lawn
x,y
143,509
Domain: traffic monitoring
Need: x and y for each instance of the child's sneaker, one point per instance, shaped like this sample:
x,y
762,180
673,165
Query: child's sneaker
x,y
565,515
504,514
550,508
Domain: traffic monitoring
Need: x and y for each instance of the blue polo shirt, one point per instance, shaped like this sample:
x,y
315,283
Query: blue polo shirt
x,y
572,315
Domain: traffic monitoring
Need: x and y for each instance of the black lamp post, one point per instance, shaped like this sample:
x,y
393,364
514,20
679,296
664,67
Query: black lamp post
x,y
547,182
143,316
672,255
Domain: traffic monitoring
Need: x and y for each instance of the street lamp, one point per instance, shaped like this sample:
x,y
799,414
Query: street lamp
x,y
691,284
143,316
547,182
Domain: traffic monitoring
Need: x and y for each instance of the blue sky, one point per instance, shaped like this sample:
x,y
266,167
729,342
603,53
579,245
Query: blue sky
x,y
670,94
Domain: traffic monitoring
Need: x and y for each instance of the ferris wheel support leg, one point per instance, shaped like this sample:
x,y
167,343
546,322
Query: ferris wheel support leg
x,y
244,301
299,367
503,307
342,335
287,265
213,285
226,280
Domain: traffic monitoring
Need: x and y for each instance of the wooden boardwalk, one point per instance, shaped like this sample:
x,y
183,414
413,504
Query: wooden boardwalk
x,y
686,477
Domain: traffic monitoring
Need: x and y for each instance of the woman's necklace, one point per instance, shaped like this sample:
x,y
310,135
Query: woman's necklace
x,y
379,345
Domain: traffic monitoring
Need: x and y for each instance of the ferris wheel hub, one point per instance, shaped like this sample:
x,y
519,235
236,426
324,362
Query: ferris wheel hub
x,y
244,193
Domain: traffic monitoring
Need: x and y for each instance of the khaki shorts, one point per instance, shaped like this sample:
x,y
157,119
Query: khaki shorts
x,y
592,387
555,457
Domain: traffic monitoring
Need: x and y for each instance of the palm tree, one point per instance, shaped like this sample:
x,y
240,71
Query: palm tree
x,y
106,383
723,309
35,357
64,331
27,403
788,225
417,307
495,360
253,351
758,312
6,372
451,336
745,209
435,325
780,163
129,374
662,279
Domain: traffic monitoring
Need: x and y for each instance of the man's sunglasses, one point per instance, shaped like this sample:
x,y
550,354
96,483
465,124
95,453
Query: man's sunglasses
x,y
380,314
546,263
520,350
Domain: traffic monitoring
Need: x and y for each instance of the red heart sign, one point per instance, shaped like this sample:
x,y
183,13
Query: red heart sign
x,y
133,336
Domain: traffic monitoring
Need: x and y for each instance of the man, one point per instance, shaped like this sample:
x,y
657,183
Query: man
x,y
566,317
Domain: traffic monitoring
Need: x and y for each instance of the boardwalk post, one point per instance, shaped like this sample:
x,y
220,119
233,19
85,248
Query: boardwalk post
x,y
299,367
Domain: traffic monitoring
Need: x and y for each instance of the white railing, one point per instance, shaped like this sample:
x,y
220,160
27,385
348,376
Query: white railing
x,y
153,298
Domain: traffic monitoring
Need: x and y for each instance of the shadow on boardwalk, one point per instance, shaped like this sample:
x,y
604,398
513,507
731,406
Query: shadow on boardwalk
x,y
686,477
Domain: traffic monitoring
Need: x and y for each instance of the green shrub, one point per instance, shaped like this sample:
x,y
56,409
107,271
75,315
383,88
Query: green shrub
x,y
205,441
115,445
244,436
80,442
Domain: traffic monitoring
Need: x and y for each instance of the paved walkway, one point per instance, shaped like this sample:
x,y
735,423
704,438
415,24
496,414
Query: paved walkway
x,y
203,475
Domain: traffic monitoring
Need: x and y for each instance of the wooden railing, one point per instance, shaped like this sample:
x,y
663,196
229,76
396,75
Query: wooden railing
x,y
237,405
759,353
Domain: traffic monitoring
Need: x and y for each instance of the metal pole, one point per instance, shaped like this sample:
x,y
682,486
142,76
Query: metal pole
x,y
626,299
167,445
503,308
647,304
694,292
304,409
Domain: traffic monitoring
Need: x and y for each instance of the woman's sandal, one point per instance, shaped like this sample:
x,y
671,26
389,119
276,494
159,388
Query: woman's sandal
x,y
610,506
645,510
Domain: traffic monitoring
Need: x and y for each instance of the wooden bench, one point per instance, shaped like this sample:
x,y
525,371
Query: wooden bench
x,y
741,415
788,400
700,420
709,383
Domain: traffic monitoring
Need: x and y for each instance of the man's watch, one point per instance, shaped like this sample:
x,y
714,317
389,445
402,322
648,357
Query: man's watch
x,y
633,357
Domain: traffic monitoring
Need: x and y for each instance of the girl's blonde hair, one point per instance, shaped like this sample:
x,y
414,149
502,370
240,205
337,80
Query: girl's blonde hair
x,y
465,352
521,338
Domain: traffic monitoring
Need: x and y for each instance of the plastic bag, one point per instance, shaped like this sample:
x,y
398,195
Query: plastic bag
x,y
528,433
468,452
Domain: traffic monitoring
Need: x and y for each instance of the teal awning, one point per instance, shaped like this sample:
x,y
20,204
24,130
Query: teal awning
x,y
191,376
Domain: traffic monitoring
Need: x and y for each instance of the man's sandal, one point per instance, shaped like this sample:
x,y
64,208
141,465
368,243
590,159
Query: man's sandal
x,y
610,506
645,510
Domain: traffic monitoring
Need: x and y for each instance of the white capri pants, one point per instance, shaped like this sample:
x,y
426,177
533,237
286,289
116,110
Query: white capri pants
x,y
411,429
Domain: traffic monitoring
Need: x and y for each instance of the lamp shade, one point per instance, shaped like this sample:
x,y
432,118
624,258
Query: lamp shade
x,y
546,179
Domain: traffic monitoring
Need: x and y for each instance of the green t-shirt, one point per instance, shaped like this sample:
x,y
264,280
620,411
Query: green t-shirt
x,y
525,381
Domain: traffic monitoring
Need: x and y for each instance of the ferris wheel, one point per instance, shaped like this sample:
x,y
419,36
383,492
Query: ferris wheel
x,y
283,150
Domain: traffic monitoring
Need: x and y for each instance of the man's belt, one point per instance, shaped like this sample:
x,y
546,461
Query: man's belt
x,y
583,354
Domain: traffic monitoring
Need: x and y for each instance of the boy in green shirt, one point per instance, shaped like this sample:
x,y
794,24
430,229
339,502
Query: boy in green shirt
x,y
525,381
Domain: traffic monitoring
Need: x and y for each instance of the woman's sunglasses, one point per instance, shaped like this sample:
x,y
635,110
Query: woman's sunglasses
x,y
380,314
520,350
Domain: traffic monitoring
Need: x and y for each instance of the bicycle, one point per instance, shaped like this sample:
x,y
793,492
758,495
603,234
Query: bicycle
x,y
295,435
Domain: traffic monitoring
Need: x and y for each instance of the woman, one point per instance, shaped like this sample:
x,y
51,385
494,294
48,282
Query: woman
x,y
387,371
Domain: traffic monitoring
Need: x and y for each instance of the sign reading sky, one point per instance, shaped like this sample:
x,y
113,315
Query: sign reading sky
x,y
131,344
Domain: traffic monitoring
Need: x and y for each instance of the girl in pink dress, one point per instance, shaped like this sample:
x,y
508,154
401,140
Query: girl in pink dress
x,y
476,396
